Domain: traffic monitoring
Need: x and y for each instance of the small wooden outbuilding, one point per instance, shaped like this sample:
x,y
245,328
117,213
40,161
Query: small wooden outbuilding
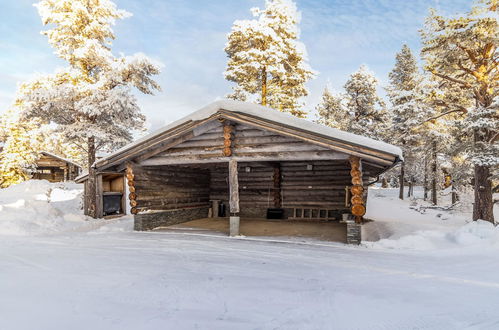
x,y
55,168
238,159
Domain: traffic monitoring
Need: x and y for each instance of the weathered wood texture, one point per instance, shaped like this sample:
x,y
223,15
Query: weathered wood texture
x,y
54,169
233,188
322,186
242,143
169,187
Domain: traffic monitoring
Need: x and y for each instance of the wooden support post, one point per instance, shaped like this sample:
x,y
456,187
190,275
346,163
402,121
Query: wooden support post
x,y
99,195
132,196
358,208
233,198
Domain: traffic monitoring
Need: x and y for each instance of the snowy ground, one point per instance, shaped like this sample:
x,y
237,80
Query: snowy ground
x,y
67,273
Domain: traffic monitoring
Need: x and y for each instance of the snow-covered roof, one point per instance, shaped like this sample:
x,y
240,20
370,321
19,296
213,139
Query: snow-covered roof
x,y
60,158
270,115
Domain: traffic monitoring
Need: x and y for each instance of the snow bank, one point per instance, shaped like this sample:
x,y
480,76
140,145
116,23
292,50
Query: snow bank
x,y
399,225
475,234
39,207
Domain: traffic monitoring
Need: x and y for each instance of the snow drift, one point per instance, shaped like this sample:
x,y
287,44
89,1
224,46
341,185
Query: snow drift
x,y
39,207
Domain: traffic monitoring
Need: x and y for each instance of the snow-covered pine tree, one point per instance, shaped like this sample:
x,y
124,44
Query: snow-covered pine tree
x,y
368,116
436,136
332,111
91,100
462,52
266,60
407,111
19,153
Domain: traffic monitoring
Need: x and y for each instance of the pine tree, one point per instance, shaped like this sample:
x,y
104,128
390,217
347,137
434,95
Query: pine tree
x,y
368,116
332,111
267,59
461,52
91,100
407,111
17,159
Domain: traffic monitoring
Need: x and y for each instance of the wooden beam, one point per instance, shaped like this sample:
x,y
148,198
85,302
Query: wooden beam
x,y
233,187
233,198
245,157
152,142
99,195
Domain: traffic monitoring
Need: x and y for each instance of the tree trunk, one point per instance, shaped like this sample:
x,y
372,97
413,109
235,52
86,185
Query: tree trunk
x,y
411,187
425,180
92,193
434,173
401,181
264,86
455,197
483,208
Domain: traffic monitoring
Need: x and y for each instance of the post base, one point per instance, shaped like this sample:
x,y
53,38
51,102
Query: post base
x,y
234,226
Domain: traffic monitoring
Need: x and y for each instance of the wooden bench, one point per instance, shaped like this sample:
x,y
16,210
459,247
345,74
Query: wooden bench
x,y
312,214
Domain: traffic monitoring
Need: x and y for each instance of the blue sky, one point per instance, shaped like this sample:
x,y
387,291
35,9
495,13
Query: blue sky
x,y
188,37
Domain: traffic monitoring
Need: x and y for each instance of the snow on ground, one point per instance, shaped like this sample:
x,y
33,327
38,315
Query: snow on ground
x,y
74,274
403,224
39,207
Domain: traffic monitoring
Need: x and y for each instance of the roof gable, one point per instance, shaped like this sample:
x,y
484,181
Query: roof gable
x,y
199,122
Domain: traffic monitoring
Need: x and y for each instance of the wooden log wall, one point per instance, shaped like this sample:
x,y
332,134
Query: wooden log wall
x,y
315,184
170,187
320,186
254,186
241,142
283,171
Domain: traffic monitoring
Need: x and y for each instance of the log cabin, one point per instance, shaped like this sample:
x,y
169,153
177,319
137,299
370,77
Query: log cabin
x,y
240,160
55,168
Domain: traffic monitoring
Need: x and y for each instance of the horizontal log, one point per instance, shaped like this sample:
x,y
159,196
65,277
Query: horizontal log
x,y
210,136
315,204
261,140
316,187
169,170
170,197
202,143
245,157
171,205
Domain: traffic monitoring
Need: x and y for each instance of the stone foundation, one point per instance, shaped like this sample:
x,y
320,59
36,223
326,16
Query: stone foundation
x,y
354,232
149,221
